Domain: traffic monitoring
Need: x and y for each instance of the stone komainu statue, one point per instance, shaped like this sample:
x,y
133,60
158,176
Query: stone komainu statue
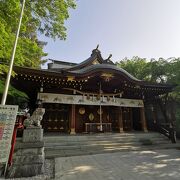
x,y
35,119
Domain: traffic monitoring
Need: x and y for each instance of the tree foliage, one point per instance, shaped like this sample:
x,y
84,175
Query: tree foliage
x,y
158,71
44,16
136,67
14,96
49,16
13,91
40,16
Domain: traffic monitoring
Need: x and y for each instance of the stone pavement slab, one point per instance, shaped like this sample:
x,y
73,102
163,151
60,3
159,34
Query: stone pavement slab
x,y
133,165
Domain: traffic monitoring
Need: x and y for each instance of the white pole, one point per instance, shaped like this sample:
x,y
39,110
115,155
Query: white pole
x,y
4,97
100,110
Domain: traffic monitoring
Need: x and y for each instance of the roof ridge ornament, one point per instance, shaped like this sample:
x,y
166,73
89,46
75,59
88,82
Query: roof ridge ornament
x,y
108,60
109,57
96,51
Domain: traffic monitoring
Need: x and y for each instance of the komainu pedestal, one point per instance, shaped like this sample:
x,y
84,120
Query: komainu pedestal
x,y
32,134
28,159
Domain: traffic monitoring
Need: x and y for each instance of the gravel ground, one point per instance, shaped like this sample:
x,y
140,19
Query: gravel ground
x,y
49,172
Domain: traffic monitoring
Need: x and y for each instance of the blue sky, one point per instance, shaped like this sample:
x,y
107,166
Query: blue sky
x,y
123,28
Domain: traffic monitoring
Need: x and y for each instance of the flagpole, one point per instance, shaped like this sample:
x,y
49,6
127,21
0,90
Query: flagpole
x,y
100,109
4,97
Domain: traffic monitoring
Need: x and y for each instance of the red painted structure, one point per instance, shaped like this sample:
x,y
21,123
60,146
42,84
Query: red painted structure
x,y
18,125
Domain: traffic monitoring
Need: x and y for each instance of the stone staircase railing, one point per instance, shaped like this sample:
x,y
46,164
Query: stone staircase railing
x,y
167,130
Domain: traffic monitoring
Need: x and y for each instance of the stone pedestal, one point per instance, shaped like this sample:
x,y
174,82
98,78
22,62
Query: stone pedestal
x,y
72,131
34,134
28,158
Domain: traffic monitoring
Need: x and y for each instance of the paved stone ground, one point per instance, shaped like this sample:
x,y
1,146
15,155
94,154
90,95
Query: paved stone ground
x,y
133,165
49,172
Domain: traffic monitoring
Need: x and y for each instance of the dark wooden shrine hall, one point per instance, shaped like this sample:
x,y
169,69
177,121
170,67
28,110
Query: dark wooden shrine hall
x,y
94,95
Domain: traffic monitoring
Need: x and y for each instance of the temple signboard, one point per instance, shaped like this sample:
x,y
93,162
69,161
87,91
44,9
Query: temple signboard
x,y
89,100
7,121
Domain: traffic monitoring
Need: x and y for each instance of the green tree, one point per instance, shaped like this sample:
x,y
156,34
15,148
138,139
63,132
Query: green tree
x,y
158,71
138,67
173,76
40,16
44,16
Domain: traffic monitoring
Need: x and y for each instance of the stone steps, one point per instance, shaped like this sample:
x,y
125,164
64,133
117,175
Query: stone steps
x,y
100,144
75,145
107,137
103,142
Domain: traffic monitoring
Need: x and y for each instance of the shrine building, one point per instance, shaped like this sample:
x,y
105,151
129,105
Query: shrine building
x,y
92,96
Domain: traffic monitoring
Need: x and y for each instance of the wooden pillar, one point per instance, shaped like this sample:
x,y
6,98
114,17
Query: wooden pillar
x,y
154,116
73,119
143,119
120,121
131,118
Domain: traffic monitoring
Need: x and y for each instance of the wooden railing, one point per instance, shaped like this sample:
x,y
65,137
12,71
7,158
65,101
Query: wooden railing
x,y
95,127
167,130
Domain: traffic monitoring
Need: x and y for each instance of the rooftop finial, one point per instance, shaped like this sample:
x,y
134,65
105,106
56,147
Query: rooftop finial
x,y
96,51
109,56
97,47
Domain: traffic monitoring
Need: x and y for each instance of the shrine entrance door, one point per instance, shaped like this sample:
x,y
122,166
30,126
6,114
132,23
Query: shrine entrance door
x,y
127,118
56,118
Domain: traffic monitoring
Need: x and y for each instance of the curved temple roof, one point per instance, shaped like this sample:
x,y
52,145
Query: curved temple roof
x,y
88,67
103,67
95,67
100,64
